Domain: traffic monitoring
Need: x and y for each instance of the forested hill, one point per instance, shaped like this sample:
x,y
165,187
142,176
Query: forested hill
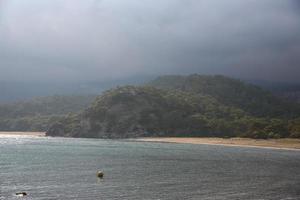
x,y
184,106
38,113
232,92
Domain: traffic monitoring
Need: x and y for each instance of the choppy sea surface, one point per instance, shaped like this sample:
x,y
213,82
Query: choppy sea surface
x,y
61,168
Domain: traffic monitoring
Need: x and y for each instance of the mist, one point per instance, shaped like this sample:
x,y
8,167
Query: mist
x,y
75,40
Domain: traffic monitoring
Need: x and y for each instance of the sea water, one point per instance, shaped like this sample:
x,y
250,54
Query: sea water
x,y
65,168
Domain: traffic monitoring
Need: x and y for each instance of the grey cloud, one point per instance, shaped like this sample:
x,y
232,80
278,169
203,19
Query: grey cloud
x,y
90,39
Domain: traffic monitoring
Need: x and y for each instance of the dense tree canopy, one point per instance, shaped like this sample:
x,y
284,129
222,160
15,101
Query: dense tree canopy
x,y
184,106
39,113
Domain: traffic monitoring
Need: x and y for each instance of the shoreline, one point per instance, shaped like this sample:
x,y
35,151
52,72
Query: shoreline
x,y
22,134
281,144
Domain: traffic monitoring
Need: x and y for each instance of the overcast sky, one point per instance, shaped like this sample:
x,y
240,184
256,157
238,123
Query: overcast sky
x,y
114,39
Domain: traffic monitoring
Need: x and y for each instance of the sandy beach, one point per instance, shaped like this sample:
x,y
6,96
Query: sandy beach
x,y
289,144
286,143
14,134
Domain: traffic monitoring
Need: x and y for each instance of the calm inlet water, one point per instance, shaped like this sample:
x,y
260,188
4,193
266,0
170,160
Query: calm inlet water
x,y
58,168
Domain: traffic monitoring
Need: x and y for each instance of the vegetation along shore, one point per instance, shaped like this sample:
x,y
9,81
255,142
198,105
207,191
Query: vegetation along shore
x,y
169,106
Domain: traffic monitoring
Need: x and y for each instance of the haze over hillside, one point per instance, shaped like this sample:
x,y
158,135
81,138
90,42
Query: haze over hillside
x,y
12,91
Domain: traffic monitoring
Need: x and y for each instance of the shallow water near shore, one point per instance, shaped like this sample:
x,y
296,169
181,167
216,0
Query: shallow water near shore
x,y
65,168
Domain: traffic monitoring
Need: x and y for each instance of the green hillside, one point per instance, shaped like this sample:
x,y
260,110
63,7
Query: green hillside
x,y
37,114
232,92
184,106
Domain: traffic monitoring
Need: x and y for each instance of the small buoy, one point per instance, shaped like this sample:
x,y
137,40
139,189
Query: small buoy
x,y
100,174
21,194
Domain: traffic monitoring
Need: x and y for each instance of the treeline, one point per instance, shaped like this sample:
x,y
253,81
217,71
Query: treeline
x,y
232,92
39,113
185,106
